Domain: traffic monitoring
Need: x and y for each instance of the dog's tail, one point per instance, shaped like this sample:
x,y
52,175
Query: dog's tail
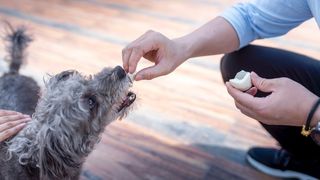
x,y
17,41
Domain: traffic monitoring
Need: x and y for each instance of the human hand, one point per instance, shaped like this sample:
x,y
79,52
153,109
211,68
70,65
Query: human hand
x,y
11,123
288,104
166,54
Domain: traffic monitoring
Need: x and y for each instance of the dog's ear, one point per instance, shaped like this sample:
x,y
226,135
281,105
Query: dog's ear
x,y
56,157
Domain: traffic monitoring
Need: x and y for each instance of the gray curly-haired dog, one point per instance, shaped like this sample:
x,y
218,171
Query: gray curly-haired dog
x,y
67,118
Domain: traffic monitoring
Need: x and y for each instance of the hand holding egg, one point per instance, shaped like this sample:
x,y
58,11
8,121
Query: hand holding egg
x,y
241,81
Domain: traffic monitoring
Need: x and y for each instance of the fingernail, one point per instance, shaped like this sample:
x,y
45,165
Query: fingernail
x,y
131,70
25,115
138,77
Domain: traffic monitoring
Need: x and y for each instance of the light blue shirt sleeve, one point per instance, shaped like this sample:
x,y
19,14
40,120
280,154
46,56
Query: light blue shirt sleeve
x,y
266,18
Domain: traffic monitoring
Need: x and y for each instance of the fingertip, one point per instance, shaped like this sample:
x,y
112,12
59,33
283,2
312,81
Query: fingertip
x,y
254,75
229,86
252,91
21,125
132,69
145,74
254,79
138,77
132,66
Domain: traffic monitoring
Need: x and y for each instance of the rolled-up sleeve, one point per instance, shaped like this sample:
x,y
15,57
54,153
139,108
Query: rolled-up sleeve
x,y
264,18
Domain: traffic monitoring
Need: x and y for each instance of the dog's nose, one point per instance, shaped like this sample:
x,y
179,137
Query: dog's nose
x,y
120,72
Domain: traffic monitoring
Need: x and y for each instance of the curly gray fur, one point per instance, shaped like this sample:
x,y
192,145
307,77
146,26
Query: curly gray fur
x,y
70,115
18,41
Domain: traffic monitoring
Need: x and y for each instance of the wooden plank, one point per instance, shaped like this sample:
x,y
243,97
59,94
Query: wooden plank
x,y
185,125
138,151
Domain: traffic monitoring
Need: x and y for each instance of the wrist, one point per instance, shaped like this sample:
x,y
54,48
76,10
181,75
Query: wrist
x,y
185,47
312,115
316,118
310,102
306,107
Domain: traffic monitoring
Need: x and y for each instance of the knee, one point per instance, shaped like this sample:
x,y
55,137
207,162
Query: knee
x,y
236,61
229,66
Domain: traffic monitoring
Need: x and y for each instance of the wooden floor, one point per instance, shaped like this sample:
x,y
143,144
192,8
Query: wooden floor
x,y
185,125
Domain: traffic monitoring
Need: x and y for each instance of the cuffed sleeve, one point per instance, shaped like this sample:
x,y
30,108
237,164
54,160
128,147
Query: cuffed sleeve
x,y
264,19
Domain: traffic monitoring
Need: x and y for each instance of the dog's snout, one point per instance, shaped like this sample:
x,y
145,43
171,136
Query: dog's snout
x,y
120,72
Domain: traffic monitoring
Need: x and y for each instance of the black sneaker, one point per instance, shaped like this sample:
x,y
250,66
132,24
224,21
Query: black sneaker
x,y
280,163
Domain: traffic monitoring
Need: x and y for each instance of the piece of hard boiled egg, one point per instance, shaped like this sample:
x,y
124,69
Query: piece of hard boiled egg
x,y
241,81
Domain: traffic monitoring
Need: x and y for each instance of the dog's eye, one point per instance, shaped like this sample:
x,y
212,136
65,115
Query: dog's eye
x,y
65,75
92,102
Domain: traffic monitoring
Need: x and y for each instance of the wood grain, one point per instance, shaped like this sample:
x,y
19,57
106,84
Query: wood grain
x,y
185,125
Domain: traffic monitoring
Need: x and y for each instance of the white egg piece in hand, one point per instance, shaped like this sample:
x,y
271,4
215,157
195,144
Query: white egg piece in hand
x,y
241,81
131,76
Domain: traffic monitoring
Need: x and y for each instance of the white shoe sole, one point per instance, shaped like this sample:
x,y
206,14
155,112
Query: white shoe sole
x,y
278,173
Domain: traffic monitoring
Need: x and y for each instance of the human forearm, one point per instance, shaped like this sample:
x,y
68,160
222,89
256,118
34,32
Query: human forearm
x,y
215,37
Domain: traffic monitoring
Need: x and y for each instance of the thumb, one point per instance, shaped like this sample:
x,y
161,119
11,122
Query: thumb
x,y
252,91
151,72
262,84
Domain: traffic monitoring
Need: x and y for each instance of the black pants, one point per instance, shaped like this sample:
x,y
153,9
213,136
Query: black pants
x,y
273,63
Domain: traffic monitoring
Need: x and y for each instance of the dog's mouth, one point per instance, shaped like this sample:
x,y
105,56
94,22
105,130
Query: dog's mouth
x,y
130,98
